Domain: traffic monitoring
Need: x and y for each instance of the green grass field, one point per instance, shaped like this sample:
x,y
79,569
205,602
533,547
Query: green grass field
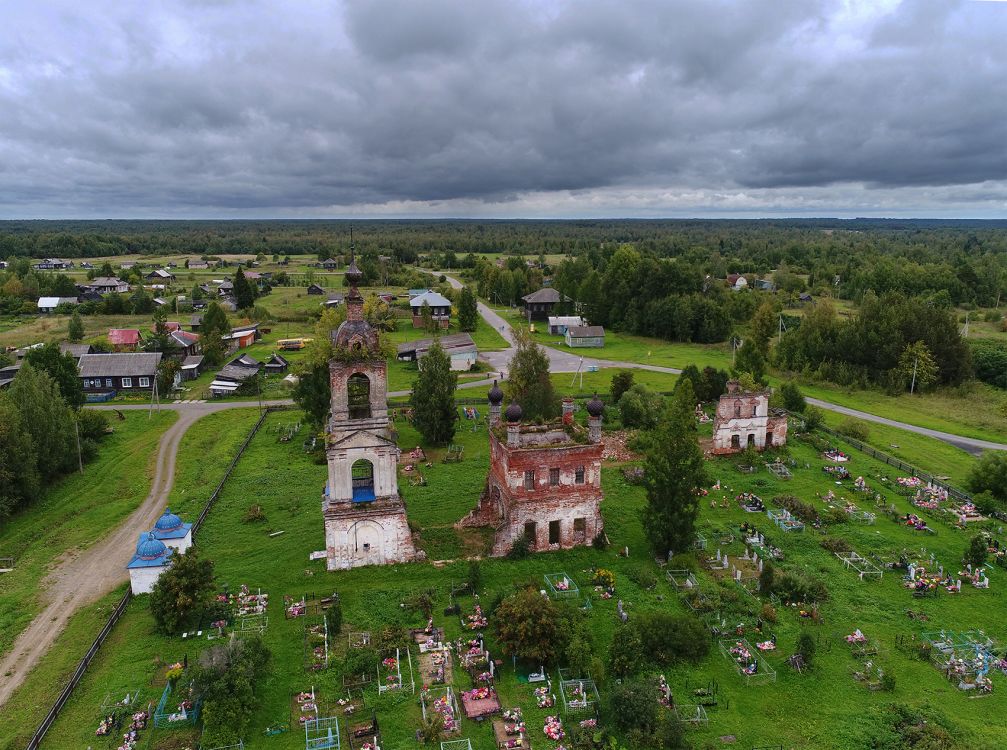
x,y
75,512
825,708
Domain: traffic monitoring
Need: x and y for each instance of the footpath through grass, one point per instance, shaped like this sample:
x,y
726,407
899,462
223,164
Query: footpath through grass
x,y
826,708
75,512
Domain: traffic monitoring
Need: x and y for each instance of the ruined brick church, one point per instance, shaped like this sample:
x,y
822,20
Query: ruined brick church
x,y
743,420
544,481
365,518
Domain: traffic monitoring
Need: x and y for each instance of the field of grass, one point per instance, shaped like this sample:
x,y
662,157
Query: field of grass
x,y
75,512
825,708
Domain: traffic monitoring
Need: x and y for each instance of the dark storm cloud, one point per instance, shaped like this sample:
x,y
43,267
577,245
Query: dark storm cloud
x,y
586,107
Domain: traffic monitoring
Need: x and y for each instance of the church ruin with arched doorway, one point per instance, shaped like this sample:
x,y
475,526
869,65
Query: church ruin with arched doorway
x,y
365,519
744,420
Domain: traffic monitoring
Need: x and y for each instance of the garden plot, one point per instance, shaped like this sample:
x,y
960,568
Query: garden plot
x,y
865,569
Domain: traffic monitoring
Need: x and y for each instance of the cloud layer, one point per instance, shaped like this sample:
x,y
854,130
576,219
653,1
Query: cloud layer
x,y
504,108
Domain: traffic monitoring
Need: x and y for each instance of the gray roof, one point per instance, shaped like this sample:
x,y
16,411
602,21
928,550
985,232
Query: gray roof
x,y
193,360
237,373
545,294
584,332
106,281
195,320
75,350
433,299
119,365
448,343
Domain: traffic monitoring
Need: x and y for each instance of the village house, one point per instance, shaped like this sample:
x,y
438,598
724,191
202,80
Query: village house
x,y
559,323
276,365
538,305
184,343
115,373
108,285
364,516
544,482
48,305
315,289
440,308
737,282
334,300
585,337
124,339
160,275
243,336
198,265
329,264
191,367
53,264
743,421
75,350
234,374
459,347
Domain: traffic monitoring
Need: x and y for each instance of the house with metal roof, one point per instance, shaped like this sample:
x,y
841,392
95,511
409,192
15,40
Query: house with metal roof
x,y
160,274
235,374
108,285
440,308
151,559
49,304
559,323
75,350
585,337
114,373
191,367
459,347
276,364
124,339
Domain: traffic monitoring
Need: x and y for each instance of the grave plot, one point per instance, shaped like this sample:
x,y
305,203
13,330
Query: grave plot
x,y
177,707
435,666
691,713
870,675
364,734
779,470
785,520
456,745
509,731
122,714
303,707
750,665
925,576
553,728
321,734
682,579
306,604
441,700
544,696
316,643
394,674
476,620
360,639
239,745
561,586
579,694
248,608
480,702
750,503
861,647
428,638
865,569
965,658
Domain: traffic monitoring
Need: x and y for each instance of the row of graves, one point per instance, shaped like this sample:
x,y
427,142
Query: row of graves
x,y
123,719
925,576
965,658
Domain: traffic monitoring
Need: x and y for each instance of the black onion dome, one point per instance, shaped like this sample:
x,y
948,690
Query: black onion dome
x,y
495,395
513,412
595,406
353,274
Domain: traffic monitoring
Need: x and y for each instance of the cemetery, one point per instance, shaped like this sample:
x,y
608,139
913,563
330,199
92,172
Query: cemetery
x,y
413,644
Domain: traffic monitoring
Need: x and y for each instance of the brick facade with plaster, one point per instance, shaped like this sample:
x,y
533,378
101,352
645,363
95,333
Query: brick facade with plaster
x,y
743,420
544,481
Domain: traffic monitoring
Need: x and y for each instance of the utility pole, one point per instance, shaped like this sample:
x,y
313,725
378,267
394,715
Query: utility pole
x,y
80,461
965,328
154,399
912,386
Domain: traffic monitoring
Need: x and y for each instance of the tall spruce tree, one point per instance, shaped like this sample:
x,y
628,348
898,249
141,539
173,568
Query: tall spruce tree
x,y
673,472
75,328
244,294
468,312
433,398
528,381
212,329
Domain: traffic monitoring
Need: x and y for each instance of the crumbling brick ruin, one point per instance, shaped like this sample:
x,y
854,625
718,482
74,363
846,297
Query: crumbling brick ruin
x,y
743,420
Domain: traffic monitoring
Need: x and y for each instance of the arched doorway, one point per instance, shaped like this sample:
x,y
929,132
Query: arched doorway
x,y
363,481
358,396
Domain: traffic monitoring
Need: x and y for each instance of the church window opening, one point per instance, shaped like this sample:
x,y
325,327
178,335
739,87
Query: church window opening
x,y
358,392
363,481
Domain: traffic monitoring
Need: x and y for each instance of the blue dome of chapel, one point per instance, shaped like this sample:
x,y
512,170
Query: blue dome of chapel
x,y
150,548
168,522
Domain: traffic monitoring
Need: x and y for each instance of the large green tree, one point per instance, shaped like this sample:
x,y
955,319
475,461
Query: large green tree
x,y
468,311
20,483
917,369
75,328
530,626
183,593
433,398
212,329
62,368
673,472
528,381
990,475
244,294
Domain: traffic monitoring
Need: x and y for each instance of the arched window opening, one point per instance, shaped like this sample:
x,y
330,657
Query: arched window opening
x,y
737,409
363,481
358,392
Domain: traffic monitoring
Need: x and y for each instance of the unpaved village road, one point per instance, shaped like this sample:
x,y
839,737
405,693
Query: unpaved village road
x,y
79,580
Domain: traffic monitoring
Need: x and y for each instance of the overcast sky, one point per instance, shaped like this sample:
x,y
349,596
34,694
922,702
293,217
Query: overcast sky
x,y
503,108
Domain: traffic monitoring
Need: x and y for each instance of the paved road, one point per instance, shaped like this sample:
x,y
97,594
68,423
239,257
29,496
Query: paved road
x,y
562,361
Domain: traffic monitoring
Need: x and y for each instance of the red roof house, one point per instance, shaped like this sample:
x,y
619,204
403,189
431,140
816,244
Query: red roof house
x,y
124,339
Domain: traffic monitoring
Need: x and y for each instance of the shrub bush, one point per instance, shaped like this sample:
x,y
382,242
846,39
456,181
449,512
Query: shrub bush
x,y
854,428
836,545
768,613
642,576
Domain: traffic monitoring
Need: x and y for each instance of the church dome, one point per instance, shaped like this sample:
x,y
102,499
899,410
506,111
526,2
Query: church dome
x,y
513,412
595,406
495,395
151,548
355,334
168,522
